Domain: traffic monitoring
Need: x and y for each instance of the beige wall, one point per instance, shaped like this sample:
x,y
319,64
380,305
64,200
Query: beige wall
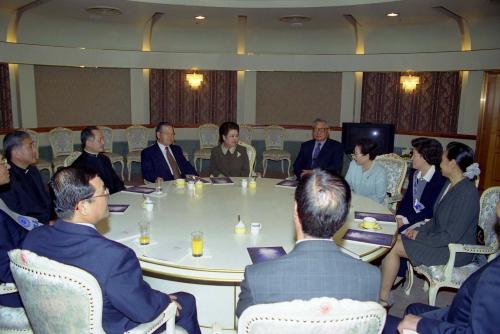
x,y
298,97
82,96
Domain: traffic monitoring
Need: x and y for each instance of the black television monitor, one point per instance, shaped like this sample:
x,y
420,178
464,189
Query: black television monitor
x,y
382,134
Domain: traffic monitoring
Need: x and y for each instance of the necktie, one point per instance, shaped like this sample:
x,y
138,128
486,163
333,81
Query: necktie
x,y
173,164
317,148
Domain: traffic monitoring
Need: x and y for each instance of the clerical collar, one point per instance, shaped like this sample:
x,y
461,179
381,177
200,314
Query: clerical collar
x,y
92,154
225,149
428,176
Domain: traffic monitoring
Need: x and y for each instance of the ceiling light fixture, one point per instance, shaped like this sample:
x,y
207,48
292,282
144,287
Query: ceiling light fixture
x,y
103,11
295,20
392,14
200,17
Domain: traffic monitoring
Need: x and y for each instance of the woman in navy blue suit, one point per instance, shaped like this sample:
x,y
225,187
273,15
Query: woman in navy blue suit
x,y
473,310
425,182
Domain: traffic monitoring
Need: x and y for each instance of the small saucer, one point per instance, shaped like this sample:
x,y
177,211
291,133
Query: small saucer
x,y
370,226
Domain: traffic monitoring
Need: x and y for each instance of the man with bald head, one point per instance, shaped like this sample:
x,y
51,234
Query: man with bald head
x,y
315,267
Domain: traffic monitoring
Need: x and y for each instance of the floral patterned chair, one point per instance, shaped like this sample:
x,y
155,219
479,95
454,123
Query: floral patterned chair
x,y
71,158
246,134
137,139
40,163
315,316
107,132
13,320
252,154
450,276
396,168
274,137
61,141
209,138
59,298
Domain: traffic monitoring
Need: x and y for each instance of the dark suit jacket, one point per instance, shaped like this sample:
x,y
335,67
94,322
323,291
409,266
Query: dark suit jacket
x,y
330,157
474,308
428,198
26,194
127,299
11,237
153,163
102,165
314,268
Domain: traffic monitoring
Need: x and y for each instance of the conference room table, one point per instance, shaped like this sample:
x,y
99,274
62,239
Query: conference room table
x,y
214,278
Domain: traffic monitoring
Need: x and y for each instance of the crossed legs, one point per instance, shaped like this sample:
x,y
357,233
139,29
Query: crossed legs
x,y
390,268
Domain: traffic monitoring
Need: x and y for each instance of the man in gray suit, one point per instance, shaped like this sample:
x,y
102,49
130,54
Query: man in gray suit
x,y
315,267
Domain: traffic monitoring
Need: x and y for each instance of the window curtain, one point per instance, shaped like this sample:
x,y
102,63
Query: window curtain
x,y
432,107
5,102
173,100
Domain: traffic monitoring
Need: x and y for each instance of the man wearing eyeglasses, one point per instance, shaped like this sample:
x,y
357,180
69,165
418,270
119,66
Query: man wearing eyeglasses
x,y
26,194
81,201
320,152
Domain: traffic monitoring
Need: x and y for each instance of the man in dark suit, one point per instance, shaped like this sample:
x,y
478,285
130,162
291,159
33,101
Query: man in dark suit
x,y
320,152
26,194
164,159
11,236
315,267
92,157
81,201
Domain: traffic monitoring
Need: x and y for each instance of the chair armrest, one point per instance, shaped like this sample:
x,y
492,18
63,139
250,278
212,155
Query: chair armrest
x,y
460,248
6,288
393,198
168,315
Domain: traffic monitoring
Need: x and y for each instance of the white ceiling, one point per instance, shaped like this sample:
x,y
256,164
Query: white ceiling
x,y
366,12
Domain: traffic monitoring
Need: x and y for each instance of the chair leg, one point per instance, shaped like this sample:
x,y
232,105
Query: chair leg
x,y
122,168
282,166
288,168
433,290
264,166
426,286
409,278
129,169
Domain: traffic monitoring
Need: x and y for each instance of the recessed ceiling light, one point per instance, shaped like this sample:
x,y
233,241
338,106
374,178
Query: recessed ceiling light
x,y
103,11
295,20
200,17
392,14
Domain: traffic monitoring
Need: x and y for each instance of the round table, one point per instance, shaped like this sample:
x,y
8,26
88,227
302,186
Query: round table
x,y
214,278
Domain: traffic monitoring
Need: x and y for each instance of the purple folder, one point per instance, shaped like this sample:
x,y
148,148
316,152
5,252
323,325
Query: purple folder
x,y
139,190
287,184
383,217
117,208
262,254
367,237
221,180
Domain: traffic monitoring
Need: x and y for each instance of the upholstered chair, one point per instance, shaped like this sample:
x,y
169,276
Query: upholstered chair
x,y
13,320
209,138
251,156
396,168
40,163
61,141
246,134
137,139
274,137
107,132
59,298
450,276
315,316
71,158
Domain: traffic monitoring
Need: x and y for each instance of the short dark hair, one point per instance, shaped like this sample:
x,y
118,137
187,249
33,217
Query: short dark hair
x,y
430,149
87,134
323,200
368,146
225,128
461,153
12,141
69,186
160,124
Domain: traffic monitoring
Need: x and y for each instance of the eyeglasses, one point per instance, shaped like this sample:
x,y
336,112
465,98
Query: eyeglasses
x,y
106,194
320,129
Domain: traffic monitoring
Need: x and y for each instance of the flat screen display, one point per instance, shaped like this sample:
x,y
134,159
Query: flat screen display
x,y
382,134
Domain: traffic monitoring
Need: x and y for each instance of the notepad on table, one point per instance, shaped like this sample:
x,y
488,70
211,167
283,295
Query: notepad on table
x,y
287,184
221,180
139,190
368,237
117,208
262,254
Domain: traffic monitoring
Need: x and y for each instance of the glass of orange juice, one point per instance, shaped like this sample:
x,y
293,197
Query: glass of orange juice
x,y
144,229
197,243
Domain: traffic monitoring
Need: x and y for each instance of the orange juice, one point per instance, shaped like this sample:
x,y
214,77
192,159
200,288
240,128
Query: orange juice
x,y
197,247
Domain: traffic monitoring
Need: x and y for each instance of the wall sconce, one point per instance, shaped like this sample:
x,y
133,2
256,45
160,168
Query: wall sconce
x,y
194,80
409,82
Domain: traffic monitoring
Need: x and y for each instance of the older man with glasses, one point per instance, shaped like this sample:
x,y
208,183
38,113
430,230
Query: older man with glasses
x,y
320,152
